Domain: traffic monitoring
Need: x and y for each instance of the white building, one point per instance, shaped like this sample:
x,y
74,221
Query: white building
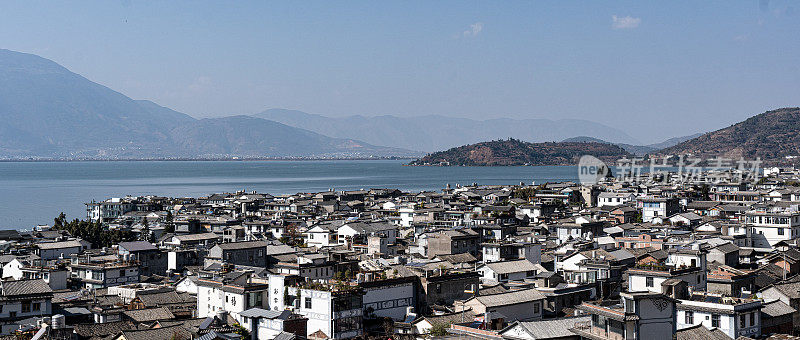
x,y
56,277
321,236
503,251
23,299
237,292
653,207
335,312
62,249
388,298
769,228
522,305
519,270
641,316
98,274
613,199
736,317
649,279
264,324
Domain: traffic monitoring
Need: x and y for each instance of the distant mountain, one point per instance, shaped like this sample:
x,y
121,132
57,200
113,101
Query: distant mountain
x,y
247,136
431,133
516,152
771,136
585,139
49,112
673,141
638,150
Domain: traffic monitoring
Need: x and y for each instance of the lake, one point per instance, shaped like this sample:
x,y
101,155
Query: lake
x,y
34,193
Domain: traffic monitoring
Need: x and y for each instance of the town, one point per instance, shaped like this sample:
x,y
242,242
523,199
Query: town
x,y
661,256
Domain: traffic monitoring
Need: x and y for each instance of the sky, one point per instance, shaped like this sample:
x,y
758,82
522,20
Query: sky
x,y
655,69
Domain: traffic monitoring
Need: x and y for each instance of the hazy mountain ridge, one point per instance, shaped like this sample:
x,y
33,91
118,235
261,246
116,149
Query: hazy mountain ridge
x,y
516,152
638,150
771,136
433,132
247,136
49,112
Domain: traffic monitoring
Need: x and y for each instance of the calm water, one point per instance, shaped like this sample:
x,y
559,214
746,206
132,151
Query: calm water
x,y
34,193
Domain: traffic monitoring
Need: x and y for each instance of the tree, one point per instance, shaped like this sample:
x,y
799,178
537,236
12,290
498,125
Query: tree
x,y
93,232
60,221
145,234
169,224
241,331
439,329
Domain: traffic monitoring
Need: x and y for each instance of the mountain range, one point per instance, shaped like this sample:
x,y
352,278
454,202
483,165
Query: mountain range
x,y
46,111
49,112
432,133
638,150
773,136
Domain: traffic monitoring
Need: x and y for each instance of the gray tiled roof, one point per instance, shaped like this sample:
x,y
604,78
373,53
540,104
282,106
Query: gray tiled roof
x,y
265,313
157,333
197,237
700,332
102,329
512,266
137,246
59,245
242,245
25,287
510,298
776,308
549,329
150,314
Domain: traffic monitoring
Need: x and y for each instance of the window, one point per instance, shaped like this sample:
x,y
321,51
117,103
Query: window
x,y
752,319
629,306
438,288
535,308
689,317
648,282
38,306
742,320
780,231
308,303
715,320
122,273
26,307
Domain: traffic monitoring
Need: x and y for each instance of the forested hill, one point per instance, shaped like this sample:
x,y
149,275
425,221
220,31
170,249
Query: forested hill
x,y
517,152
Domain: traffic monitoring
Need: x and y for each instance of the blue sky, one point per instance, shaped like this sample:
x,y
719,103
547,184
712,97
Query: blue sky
x,y
656,69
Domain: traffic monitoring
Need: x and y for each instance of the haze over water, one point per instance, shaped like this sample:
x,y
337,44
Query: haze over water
x,y
35,192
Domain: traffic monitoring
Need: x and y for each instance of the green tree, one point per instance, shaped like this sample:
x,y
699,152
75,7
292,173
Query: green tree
x,y
241,331
93,232
60,221
169,225
439,329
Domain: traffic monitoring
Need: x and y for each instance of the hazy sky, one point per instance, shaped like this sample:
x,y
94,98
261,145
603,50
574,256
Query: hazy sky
x,y
657,69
